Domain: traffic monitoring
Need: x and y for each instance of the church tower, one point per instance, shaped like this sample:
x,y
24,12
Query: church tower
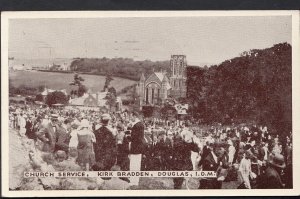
x,y
178,65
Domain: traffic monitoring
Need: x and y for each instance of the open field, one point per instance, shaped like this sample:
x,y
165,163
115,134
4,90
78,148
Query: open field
x,y
61,80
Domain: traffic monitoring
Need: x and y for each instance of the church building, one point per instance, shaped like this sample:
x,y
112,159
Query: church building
x,y
159,86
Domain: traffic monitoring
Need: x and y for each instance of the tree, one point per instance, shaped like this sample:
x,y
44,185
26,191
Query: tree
x,y
111,100
255,87
39,98
113,91
81,89
56,97
108,79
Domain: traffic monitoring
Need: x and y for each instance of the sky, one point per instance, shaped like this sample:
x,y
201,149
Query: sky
x,y
203,39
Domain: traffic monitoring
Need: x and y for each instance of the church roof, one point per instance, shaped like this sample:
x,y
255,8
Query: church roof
x,y
160,75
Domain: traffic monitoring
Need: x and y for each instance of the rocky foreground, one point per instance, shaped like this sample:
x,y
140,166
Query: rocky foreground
x,y
23,157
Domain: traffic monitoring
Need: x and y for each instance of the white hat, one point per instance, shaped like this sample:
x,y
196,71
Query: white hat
x,y
105,117
54,116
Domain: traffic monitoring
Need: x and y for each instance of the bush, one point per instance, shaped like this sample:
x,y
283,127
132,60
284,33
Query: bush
x,y
56,97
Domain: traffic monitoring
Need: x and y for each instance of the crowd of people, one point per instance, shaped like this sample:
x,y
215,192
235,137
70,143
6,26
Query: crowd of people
x,y
100,141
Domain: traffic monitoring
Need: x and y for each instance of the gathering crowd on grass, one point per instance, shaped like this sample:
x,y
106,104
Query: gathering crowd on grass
x,y
104,140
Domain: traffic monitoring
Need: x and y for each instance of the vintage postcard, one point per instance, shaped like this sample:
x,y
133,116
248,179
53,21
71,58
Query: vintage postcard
x,y
177,103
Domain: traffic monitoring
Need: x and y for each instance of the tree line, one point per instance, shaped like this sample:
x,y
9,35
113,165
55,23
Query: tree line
x,y
118,67
254,87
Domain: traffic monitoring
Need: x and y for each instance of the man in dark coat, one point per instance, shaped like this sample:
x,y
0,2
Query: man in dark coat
x,y
153,155
105,147
165,149
271,179
205,152
29,129
63,136
47,134
182,157
137,145
211,163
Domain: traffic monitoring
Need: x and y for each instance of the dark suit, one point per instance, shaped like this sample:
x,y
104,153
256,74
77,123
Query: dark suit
x,y
209,164
153,157
48,136
105,149
122,156
166,152
205,152
137,139
63,139
29,130
182,158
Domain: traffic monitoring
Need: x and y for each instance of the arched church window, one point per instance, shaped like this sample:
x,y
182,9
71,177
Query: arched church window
x,y
152,96
147,92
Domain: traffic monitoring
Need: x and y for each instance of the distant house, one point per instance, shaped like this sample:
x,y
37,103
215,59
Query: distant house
x,y
65,66
93,100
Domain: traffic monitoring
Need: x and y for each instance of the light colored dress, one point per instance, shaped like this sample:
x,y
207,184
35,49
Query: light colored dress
x,y
85,148
245,169
231,152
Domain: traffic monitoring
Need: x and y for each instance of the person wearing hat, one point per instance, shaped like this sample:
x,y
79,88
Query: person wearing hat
x,y
63,136
271,179
211,163
245,168
183,145
105,146
85,148
22,124
29,128
137,145
47,134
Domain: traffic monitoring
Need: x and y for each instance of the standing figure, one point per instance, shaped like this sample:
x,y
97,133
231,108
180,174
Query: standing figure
x,y
136,146
47,135
86,138
165,145
211,163
63,136
22,124
105,146
245,169
153,155
271,179
183,145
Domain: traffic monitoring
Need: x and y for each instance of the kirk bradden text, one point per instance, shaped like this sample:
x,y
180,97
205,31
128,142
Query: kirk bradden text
x,y
63,174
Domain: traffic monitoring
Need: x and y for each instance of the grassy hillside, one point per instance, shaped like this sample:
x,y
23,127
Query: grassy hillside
x,y
62,80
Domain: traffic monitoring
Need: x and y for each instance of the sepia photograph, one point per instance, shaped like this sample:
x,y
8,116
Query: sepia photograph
x,y
148,101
